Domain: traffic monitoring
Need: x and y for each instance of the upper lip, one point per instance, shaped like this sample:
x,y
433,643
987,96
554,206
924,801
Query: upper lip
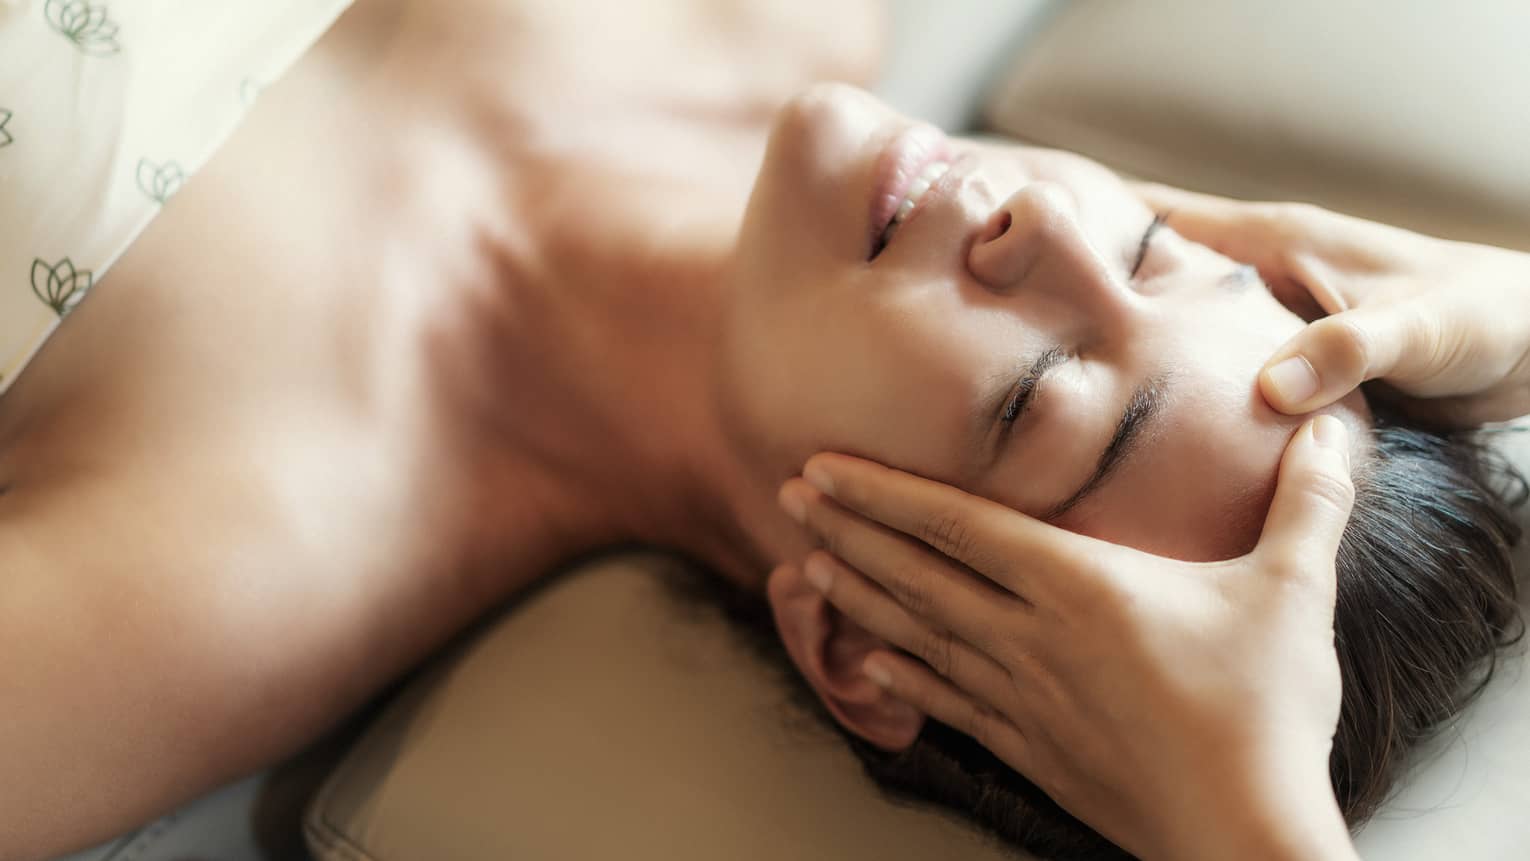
x,y
952,176
911,149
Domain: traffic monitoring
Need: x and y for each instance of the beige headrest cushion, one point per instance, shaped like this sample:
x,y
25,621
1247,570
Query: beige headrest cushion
x,y
602,719
1411,113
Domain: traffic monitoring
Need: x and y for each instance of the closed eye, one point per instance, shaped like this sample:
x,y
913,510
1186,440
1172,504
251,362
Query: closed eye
x,y
1025,391
1146,242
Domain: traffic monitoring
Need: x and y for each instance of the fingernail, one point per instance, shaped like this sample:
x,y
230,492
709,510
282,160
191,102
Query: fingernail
x,y
817,476
792,503
1331,433
1293,380
873,669
817,573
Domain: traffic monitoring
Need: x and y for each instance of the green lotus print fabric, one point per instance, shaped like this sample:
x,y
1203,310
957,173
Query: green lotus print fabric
x,y
107,109
86,24
159,181
60,286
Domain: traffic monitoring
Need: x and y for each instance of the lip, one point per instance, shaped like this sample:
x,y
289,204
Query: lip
x,y
897,166
961,165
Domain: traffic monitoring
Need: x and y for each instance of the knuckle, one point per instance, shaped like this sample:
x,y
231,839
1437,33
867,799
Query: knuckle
x,y
1346,345
830,539
1299,214
947,532
909,586
1436,347
1269,213
982,724
1333,490
938,651
1282,222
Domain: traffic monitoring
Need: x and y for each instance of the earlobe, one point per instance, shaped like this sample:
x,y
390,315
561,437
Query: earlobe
x,y
828,649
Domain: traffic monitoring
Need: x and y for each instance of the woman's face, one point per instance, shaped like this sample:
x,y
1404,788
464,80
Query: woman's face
x,y
1013,337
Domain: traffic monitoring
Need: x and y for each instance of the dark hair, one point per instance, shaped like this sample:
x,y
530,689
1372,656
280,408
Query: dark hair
x,y
1426,599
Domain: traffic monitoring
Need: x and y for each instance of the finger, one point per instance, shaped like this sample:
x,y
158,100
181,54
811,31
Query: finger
x,y
926,585
1254,233
1210,207
920,687
1289,243
877,612
1330,357
990,539
1249,224
1313,498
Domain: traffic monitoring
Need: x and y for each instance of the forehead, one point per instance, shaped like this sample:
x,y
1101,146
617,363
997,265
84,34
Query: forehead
x,y
1200,486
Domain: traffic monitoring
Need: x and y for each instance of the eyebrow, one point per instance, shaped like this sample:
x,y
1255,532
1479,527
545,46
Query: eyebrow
x,y
1012,392
1142,408
1018,400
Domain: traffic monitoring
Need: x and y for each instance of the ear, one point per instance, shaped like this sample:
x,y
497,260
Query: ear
x,y
828,649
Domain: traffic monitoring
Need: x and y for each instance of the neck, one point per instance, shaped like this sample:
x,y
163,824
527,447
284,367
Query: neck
x,y
573,374
606,352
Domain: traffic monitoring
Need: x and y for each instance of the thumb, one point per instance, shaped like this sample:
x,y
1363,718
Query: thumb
x,y
1313,498
1333,355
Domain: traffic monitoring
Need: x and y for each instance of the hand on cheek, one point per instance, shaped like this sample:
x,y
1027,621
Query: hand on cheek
x,y
1146,695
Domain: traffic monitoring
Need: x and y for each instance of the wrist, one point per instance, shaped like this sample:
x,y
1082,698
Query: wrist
x,y
1288,820
1320,837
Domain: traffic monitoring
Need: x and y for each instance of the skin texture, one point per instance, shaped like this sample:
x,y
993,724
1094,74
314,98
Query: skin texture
x,y
1444,323
493,332
1014,251
1185,707
340,398
891,359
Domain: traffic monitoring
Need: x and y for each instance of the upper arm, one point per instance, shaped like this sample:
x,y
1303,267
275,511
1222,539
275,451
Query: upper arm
x,y
134,652
172,616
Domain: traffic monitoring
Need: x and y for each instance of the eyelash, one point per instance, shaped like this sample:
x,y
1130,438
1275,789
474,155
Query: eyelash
x,y
1027,389
1021,396
1146,242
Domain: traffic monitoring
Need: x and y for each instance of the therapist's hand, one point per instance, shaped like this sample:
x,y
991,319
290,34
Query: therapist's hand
x,y
1445,324
1183,710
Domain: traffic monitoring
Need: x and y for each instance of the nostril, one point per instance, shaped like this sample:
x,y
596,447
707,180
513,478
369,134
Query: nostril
x,y
998,225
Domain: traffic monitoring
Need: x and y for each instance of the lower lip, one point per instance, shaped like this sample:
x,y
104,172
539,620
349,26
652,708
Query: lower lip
x,y
896,168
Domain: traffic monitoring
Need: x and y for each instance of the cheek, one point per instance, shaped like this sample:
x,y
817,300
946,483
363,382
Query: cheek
x,y
795,384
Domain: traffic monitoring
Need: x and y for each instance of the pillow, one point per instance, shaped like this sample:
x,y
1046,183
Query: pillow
x,y
600,717
603,718
105,110
1409,113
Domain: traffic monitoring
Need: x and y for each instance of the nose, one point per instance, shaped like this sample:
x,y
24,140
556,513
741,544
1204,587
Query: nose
x,y
1034,241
